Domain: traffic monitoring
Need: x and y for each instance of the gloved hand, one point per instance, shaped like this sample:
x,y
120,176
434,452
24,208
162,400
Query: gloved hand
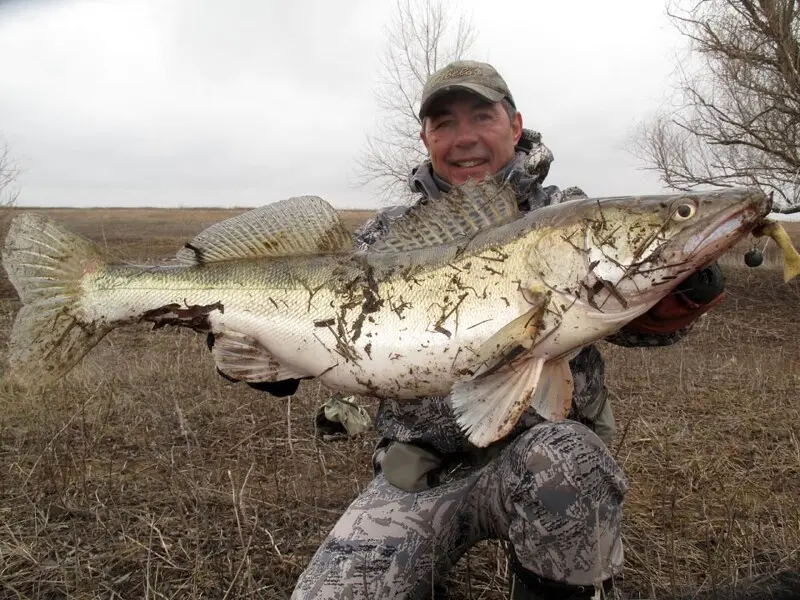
x,y
341,417
279,389
698,294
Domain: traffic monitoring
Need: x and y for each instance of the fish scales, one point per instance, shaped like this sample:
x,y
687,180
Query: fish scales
x,y
349,318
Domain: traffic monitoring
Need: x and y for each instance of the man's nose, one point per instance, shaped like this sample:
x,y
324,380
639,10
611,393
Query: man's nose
x,y
466,133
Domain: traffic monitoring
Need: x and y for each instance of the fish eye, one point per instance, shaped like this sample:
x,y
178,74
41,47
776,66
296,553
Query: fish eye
x,y
684,211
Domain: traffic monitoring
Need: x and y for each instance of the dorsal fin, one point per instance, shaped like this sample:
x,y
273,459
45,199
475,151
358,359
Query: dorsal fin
x,y
466,210
299,225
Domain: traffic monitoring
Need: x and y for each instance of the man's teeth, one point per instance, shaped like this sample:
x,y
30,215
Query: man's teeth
x,y
468,163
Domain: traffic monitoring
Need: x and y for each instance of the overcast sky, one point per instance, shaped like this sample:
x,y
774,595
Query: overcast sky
x,y
241,103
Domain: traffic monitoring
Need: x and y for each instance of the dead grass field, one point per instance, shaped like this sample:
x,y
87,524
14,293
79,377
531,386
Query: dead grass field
x,y
145,475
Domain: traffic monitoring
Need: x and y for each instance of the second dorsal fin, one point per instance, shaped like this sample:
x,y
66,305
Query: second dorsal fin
x,y
299,225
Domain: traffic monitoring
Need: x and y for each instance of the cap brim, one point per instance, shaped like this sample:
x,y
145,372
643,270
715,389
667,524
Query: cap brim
x,y
479,90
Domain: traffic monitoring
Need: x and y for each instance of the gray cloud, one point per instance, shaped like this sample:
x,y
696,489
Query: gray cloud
x,y
152,102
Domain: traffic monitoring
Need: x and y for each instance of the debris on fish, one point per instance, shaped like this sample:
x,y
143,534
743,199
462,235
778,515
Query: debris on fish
x,y
791,258
465,297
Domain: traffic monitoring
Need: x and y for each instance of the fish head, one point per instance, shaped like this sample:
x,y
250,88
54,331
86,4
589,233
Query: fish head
x,y
627,253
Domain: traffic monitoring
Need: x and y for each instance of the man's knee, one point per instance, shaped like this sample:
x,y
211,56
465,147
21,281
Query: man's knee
x,y
390,543
564,503
568,448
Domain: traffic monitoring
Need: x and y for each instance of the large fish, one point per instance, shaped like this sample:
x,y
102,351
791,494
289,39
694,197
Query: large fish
x,y
465,296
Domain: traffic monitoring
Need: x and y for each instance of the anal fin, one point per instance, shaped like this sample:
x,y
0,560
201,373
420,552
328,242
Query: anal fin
x,y
244,358
488,407
552,399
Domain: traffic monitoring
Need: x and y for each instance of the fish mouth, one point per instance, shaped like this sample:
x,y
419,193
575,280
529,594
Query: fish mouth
x,y
727,228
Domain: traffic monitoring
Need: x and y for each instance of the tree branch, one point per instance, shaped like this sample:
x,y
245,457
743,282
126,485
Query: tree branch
x,y
422,37
738,121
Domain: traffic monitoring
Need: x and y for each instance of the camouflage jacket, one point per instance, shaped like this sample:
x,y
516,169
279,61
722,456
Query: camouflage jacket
x,y
430,421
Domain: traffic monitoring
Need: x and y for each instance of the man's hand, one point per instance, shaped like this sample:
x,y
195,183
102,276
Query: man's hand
x,y
699,293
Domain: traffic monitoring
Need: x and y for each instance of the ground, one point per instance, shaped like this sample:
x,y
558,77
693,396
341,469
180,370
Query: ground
x,y
144,474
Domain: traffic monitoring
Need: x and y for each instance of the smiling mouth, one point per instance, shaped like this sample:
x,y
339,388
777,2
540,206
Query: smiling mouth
x,y
467,164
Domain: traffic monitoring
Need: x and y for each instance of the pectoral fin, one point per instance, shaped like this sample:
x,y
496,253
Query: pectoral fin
x,y
513,340
489,404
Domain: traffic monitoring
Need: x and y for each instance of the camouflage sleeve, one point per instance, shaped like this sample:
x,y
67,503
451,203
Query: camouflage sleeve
x,y
537,161
633,339
376,227
538,157
557,196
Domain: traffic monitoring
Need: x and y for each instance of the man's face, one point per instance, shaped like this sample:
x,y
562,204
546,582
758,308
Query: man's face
x,y
469,137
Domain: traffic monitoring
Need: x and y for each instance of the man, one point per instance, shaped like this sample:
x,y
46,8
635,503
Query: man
x,y
552,491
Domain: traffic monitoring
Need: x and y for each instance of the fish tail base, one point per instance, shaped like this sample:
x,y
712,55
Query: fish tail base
x,y
46,264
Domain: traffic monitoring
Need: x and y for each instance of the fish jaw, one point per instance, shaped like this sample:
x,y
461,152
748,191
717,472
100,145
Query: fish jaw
x,y
727,229
732,214
737,212
722,220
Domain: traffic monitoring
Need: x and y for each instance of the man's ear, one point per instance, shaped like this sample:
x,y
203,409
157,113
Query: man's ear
x,y
516,127
422,135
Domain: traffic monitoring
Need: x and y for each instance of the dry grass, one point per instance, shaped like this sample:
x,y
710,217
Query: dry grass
x,y
144,474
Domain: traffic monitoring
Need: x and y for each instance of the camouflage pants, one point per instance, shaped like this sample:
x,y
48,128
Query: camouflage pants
x,y
554,493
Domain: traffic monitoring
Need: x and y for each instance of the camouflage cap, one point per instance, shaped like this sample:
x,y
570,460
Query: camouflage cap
x,y
476,77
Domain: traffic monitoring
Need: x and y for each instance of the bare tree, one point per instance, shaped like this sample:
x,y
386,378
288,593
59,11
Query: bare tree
x,y
8,174
422,37
8,191
737,120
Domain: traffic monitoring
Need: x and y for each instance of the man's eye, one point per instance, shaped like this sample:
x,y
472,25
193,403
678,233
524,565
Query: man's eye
x,y
483,116
441,124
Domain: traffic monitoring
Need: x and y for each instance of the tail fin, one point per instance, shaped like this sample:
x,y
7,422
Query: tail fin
x,y
46,264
